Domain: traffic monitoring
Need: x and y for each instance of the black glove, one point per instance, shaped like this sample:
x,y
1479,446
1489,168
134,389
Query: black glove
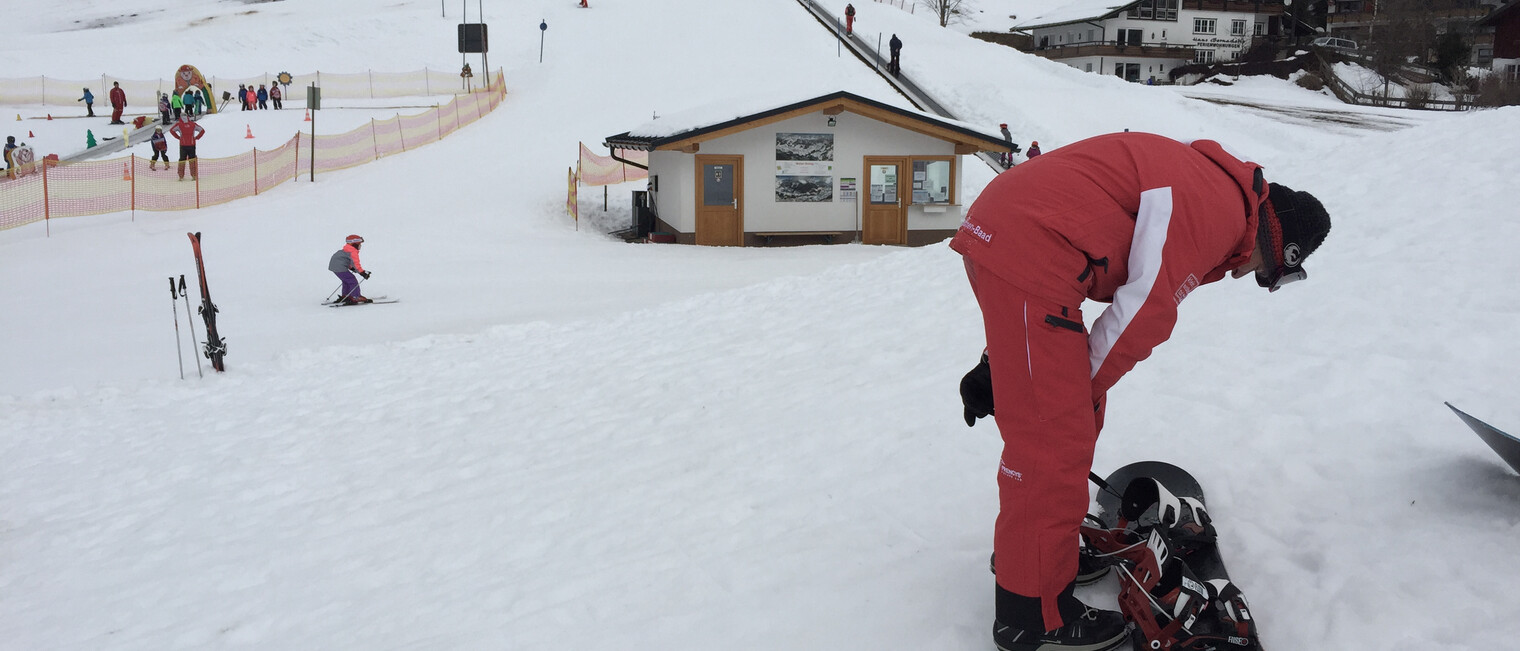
x,y
365,274
976,392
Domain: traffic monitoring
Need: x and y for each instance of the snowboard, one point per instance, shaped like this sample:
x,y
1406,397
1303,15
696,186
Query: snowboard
x,y
1506,445
1164,527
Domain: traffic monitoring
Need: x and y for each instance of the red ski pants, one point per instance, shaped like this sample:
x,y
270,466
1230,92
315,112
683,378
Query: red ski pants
x,y
1042,394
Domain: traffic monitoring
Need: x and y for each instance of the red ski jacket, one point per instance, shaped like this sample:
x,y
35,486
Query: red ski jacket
x,y
1133,219
118,97
187,137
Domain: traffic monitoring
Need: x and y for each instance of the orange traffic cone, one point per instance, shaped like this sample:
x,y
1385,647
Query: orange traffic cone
x,y
308,116
50,117
250,133
126,172
31,135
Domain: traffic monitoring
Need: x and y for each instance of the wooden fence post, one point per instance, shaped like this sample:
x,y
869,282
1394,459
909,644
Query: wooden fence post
x,y
401,132
375,140
255,171
297,177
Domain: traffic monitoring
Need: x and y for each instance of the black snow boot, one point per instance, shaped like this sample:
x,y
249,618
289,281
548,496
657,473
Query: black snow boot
x,y
1095,630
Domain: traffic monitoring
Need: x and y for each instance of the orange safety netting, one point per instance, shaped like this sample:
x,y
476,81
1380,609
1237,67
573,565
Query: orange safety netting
x,y
605,170
95,187
144,92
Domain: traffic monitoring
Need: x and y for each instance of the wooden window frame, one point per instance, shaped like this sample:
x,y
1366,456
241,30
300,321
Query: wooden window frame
x,y
954,198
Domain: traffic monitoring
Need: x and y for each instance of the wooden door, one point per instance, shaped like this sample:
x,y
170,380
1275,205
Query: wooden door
x,y
720,200
885,215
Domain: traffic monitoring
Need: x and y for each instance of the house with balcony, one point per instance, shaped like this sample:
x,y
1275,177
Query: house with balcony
x,y
1505,25
1143,40
1359,21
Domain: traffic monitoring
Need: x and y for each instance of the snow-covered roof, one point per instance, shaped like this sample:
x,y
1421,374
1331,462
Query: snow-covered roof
x,y
1076,11
722,117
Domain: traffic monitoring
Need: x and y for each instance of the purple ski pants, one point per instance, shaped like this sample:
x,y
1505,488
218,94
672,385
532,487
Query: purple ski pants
x,y
350,284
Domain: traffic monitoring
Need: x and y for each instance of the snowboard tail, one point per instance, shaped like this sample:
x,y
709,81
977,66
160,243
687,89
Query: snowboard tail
x,y
1507,446
1173,583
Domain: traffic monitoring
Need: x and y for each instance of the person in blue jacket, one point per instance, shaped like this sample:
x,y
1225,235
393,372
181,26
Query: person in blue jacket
x,y
263,98
89,102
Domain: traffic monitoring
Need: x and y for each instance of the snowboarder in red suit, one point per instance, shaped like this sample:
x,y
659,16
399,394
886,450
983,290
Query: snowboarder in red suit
x,y
1132,219
118,102
849,19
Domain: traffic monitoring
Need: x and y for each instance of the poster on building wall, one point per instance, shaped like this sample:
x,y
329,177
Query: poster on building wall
x,y
804,167
804,147
847,189
804,189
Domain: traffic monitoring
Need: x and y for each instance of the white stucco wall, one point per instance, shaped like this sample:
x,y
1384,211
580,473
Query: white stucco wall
x,y
1225,45
855,137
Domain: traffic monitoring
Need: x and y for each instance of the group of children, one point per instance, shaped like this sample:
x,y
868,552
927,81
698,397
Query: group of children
x,y
251,99
190,102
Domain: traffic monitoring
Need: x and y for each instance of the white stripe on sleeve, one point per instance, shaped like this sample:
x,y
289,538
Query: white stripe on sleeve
x,y
1151,226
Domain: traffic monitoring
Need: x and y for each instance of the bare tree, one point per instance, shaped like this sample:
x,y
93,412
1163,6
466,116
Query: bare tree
x,y
948,11
1402,35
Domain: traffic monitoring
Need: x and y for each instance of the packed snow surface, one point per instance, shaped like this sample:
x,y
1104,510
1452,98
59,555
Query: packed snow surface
x,y
557,440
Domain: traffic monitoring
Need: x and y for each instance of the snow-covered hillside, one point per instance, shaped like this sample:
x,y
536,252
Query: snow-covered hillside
x,y
557,440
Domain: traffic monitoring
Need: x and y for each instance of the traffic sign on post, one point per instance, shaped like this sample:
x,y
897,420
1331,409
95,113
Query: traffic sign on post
x,y
472,38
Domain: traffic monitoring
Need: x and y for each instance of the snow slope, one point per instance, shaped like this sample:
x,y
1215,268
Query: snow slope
x,y
557,440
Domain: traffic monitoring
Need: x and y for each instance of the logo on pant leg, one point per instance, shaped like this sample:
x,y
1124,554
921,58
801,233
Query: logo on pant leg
x,y
1010,472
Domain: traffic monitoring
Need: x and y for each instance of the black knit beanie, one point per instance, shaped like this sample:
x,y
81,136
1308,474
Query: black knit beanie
x,y
1294,226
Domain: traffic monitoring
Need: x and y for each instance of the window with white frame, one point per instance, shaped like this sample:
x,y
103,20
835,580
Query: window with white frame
x,y
1237,28
1514,71
1203,56
1155,10
1203,25
1261,29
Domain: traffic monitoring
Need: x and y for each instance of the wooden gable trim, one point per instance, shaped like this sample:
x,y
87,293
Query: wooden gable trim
x,y
963,144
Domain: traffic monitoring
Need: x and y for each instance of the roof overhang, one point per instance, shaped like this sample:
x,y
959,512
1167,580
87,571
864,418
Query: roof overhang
x,y
1112,9
965,139
1493,17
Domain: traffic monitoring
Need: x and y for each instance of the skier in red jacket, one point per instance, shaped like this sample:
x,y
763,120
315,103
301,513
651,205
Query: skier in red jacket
x,y
344,264
1133,219
188,133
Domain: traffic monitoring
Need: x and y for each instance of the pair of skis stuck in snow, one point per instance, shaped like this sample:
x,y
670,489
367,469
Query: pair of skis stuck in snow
x,y
214,347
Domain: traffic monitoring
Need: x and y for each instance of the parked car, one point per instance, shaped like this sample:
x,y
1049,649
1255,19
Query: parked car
x,y
1334,43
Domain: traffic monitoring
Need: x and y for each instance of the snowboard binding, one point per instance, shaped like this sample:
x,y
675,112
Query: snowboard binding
x,y
1172,585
